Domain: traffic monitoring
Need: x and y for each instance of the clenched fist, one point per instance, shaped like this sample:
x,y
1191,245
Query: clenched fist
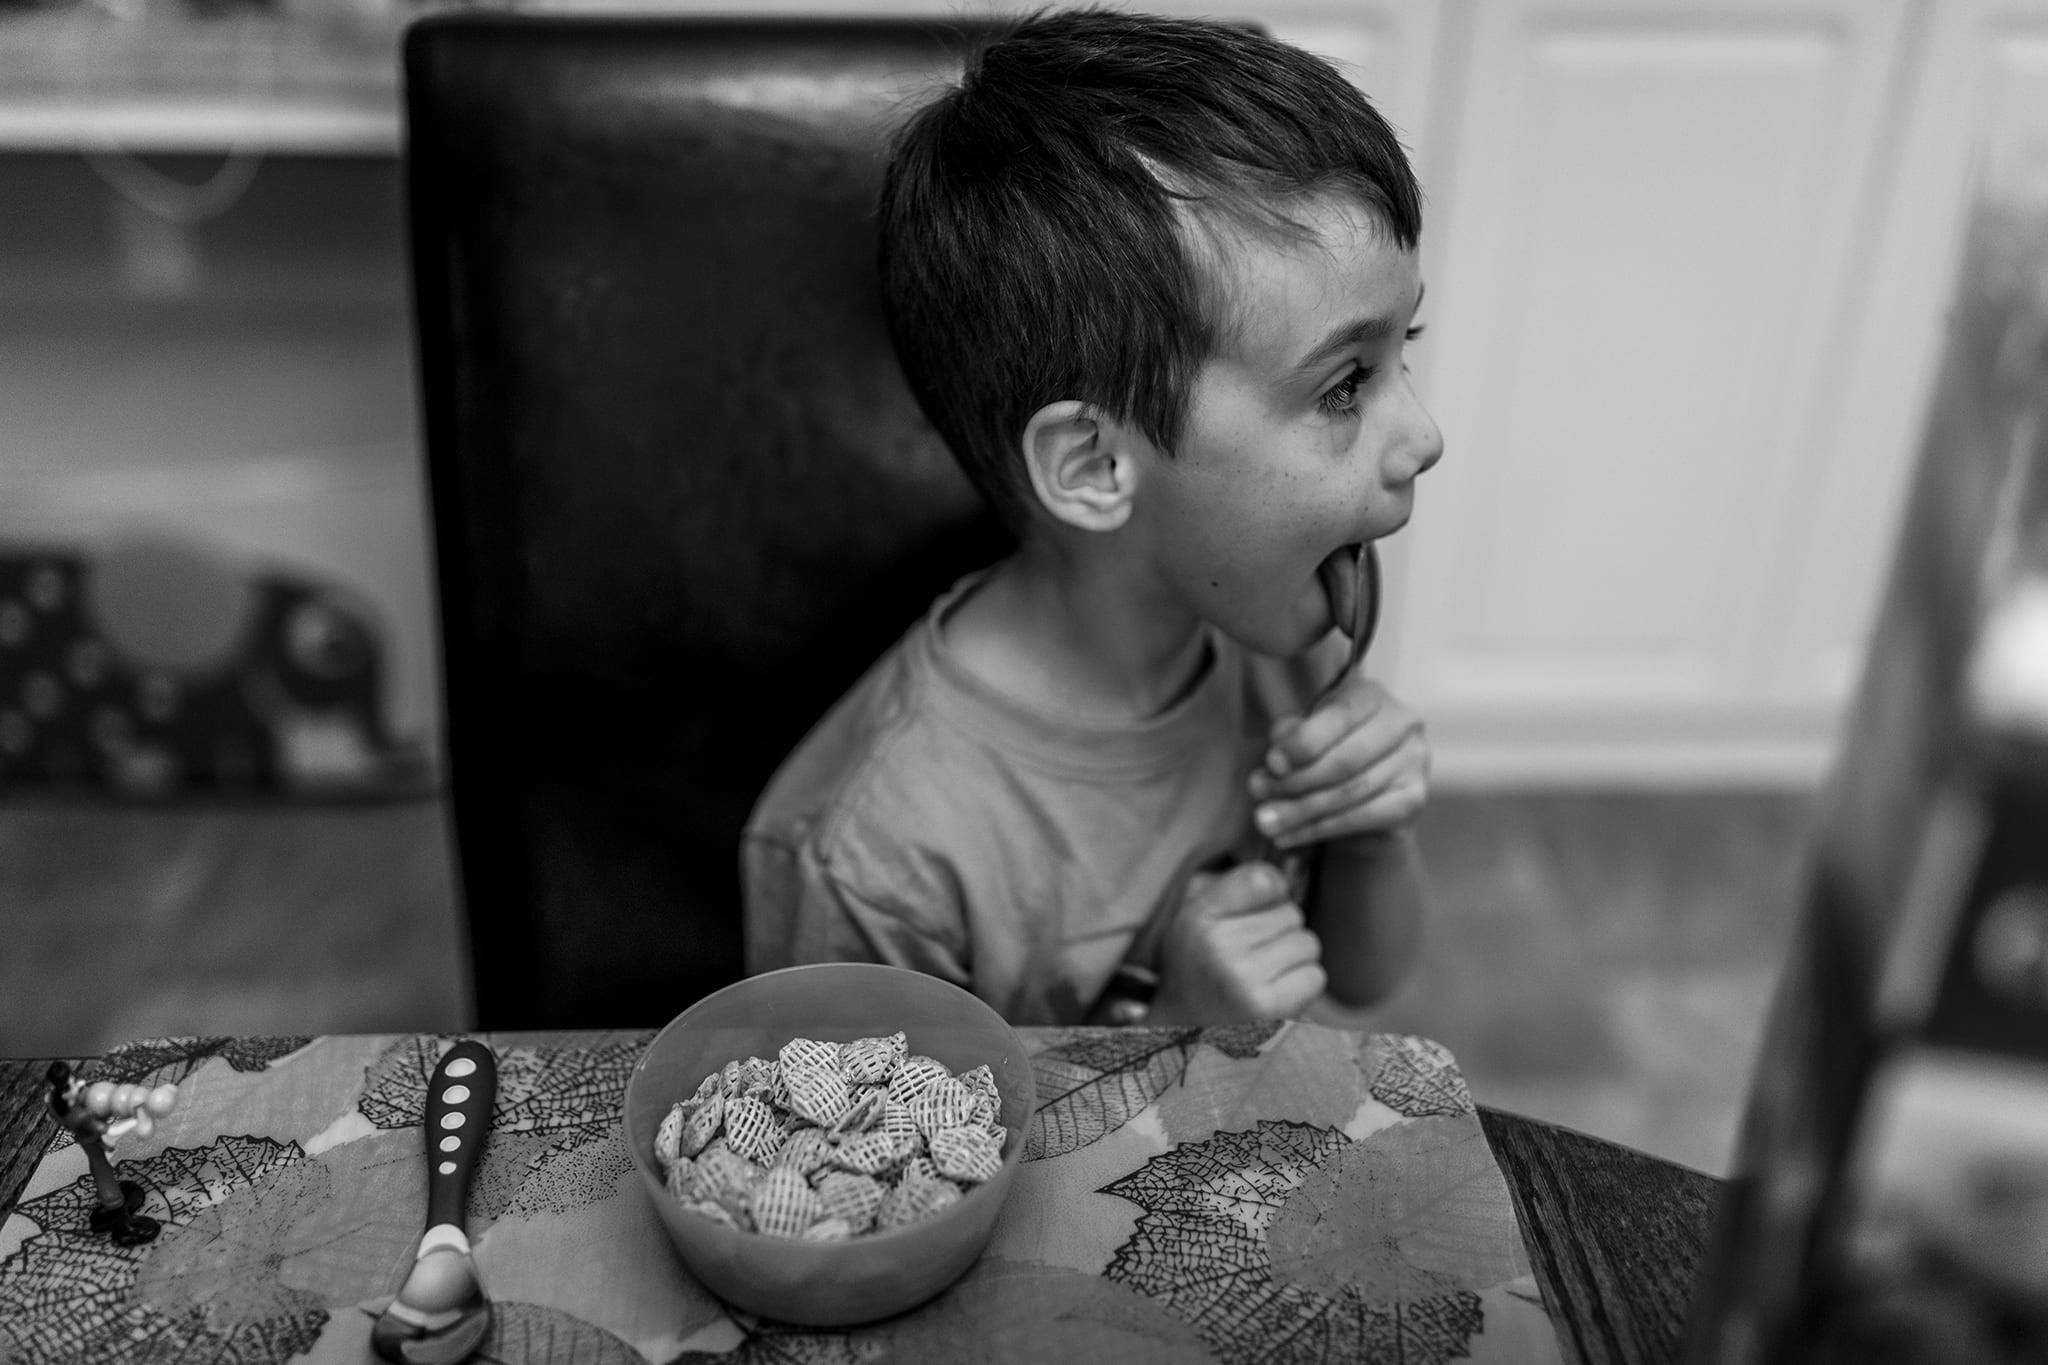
x,y
1237,950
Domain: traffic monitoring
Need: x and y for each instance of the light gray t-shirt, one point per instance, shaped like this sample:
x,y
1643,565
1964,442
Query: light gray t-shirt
x,y
931,822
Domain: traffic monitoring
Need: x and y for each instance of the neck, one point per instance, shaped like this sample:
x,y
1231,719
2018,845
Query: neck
x,y
1060,625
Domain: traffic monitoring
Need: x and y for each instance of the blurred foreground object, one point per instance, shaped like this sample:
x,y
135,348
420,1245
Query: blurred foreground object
x,y
1891,1194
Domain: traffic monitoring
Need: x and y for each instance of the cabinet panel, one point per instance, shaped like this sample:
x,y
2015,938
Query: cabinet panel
x,y
1658,211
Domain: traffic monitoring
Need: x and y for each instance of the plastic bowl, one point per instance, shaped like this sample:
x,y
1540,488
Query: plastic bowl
x,y
874,1275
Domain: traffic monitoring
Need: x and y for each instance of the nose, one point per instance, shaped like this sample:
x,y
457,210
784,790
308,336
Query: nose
x,y
1425,443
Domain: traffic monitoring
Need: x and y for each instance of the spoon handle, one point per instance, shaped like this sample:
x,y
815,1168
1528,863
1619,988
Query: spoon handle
x,y
460,1094
1365,617
1365,622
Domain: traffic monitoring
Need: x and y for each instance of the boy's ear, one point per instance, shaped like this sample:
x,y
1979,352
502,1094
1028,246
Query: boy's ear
x,y
1080,465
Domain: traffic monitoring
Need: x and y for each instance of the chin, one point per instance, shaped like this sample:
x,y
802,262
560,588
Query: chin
x,y
1398,520
1264,638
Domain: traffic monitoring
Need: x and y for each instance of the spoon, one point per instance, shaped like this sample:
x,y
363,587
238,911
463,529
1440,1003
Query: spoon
x,y
1365,622
441,1314
1365,617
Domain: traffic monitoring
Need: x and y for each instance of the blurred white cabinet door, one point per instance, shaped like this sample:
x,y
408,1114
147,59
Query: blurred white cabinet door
x,y
1683,311
1971,124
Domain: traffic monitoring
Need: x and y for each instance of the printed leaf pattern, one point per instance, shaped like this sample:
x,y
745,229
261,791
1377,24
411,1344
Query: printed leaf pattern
x,y
1203,1247
548,1175
1007,1312
70,1294
1304,1074
554,1126
772,1343
1405,1214
1000,1313
530,1334
1286,1241
172,1060
567,1091
1414,1077
356,1217
1090,1087
1092,1083
1242,1040
160,1061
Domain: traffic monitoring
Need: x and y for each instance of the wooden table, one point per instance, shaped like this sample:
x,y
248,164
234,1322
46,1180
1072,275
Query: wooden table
x,y
1615,1237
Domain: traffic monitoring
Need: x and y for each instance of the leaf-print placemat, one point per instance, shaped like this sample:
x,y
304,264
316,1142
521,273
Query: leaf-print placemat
x,y
1257,1193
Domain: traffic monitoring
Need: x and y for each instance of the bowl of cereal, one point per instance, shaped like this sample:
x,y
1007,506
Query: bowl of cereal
x,y
830,1144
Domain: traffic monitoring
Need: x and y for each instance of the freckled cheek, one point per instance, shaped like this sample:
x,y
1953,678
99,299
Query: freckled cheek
x,y
1298,519
1257,569
1258,526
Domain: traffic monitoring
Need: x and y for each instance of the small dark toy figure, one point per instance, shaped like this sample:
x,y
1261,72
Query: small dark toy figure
x,y
90,1112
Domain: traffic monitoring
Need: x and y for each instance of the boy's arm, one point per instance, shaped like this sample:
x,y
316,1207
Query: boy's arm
x,y
1367,903
1236,949
1347,781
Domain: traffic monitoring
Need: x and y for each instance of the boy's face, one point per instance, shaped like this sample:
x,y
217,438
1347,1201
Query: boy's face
x,y
1304,436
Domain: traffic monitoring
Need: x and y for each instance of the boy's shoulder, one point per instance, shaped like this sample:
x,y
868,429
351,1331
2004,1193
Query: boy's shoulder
x,y
883,760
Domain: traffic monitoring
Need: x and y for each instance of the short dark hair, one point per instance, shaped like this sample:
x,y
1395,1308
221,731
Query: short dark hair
x,y
1035,217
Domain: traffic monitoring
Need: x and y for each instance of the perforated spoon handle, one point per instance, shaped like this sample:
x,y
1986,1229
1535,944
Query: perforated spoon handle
x,y
460,1094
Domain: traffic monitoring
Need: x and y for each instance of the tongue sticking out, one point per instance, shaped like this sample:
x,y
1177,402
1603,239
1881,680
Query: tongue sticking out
x,y
1339,576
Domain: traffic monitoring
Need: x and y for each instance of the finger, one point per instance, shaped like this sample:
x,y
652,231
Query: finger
x,y
1288,993
1362,702
1247,936
1256,969
1298,947
1299,989
1366,780
1378,735
1388,810
1295,743
1248,887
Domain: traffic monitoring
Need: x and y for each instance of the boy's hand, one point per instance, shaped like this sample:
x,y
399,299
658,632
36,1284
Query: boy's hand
x,y
1356,765
1237,950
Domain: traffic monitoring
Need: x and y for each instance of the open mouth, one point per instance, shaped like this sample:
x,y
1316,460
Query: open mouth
x,y
1340,579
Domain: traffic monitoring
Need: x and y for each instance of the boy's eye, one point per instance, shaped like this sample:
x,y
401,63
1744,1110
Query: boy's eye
x,y
1343,395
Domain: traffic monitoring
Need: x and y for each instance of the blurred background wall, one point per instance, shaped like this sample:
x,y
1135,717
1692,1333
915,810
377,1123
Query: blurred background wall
x,y
1687,267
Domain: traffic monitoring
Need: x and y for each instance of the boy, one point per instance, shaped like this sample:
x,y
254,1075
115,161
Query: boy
x,y
1151,280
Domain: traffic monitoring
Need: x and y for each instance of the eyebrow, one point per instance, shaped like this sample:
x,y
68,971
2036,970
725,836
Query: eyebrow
x,y
1357,332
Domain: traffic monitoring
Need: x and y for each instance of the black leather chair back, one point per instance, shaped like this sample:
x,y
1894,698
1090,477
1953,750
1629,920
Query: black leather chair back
x,y
681,496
